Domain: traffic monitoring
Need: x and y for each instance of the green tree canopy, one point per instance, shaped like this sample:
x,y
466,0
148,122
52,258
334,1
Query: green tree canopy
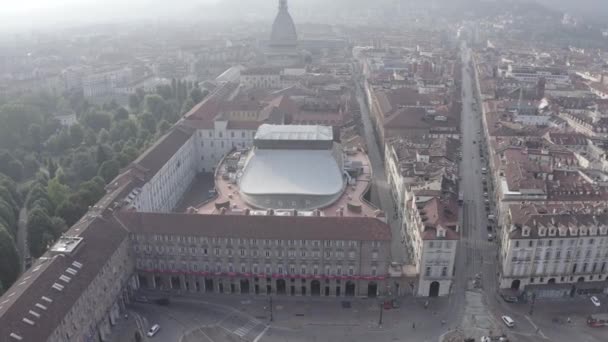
x,y
109,170
57,192
39,231
9,259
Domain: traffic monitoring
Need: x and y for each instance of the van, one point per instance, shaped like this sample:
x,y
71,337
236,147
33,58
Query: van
x,y
508,321
153,330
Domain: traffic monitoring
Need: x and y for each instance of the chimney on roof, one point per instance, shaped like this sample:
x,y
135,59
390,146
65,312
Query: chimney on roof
x,y
270,212
316,212
295,212
246,211
223,211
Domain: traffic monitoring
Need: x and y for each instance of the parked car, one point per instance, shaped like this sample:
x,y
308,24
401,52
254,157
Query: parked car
x,y
163,301
508,321
490,237
141,299
509,299
595,301
153,330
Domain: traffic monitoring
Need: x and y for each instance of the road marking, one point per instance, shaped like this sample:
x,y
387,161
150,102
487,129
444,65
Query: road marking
x,y
536,328
244,330
257,338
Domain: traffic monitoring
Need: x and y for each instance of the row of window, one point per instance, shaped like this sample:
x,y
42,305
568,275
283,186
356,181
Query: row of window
x,y
429,270
558,255
254,252
256,269
220,134
560,242
252,242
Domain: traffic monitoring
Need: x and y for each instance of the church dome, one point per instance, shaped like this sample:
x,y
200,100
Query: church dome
x,y
283,29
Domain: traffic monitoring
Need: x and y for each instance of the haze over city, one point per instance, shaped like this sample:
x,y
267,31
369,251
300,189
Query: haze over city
x,y
304,170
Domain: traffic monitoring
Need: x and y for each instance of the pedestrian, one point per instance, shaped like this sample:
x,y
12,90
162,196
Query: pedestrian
x,y
414,326
568,319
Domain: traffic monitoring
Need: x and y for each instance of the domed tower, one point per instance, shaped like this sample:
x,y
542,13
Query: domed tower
x,y
283,29
283,45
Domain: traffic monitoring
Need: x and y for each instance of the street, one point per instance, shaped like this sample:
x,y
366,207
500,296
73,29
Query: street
x,y
381,194
478,256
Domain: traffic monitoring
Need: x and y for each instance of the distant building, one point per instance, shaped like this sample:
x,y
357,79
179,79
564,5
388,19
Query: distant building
x,y
282,49
103,83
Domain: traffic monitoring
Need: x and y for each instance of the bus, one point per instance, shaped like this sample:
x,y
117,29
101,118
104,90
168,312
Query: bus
x,y
598,320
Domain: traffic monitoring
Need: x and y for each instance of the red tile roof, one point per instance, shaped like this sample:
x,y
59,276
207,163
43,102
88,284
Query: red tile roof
x,y
260,227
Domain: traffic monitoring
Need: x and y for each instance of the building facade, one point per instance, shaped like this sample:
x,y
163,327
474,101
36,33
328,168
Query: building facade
x,y
563,249
286,256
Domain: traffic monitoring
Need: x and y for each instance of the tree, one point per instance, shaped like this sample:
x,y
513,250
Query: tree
x,y
156,105
121,113
9,259
147,121
30,165
165,91
39,231
196,95
76,135
57,192
163,127
189,104
97,120
83,166
10,166
109,170
34,134
103,153
7,214
37,192
58,226
128,154
91,191
51,167
134,103
71,210
103,137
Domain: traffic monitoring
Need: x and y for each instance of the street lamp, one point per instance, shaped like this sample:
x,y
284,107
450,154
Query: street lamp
x,y
271,317
380,320
532,303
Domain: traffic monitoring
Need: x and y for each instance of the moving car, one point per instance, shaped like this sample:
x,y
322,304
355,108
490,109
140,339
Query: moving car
x,y
595,301
153,330
490,237
508,321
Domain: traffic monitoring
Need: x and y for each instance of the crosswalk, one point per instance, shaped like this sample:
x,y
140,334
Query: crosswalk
x,y
244,330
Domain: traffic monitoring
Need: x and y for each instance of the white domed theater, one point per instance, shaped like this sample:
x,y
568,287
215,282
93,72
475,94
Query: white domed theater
x,y
292,167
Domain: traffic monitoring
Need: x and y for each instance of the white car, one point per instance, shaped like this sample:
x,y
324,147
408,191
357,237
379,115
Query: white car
x,y
508,321
595,301
153,330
